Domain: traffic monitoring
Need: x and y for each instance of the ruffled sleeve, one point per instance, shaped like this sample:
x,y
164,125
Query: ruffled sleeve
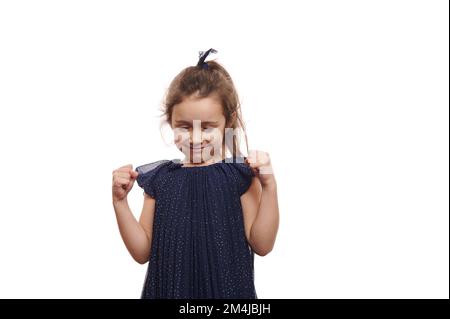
x,y
244,176
149,176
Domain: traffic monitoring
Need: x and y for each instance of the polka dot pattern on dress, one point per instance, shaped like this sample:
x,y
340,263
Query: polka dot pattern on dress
x,y
199,248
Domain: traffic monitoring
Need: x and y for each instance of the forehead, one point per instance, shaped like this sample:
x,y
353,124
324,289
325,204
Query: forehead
x,y
193,108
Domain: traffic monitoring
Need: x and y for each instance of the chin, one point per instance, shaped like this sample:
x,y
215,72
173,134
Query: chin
x,y
198,160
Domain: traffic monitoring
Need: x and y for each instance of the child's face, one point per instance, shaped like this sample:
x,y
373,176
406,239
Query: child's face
x,y
199,125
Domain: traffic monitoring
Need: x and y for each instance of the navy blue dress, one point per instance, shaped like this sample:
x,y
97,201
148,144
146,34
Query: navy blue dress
x,y
199,248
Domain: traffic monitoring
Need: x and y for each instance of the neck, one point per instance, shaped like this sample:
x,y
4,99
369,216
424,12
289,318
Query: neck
x,y
209,161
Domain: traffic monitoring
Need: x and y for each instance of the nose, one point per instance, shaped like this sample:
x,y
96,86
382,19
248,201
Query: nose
x,y
196,137
199,139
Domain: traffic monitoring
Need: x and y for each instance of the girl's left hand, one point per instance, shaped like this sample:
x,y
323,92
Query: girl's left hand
x,y
259,162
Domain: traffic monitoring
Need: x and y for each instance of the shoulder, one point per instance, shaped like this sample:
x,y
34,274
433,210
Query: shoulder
x,y
241,172
150,173
253,191
151,167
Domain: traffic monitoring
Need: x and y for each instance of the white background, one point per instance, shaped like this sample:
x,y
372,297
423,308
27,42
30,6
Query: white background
x,y
350,98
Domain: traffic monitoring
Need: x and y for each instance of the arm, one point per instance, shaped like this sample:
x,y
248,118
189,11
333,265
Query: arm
x,y
137,236
261,216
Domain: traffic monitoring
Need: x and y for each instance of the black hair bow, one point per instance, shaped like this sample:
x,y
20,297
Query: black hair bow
x,y
202,56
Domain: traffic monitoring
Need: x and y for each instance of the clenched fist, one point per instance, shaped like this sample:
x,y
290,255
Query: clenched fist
x,y
261,165
122,183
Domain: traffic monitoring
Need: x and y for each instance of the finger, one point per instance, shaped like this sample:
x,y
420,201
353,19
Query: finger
x,y
123,174
256,165
126,168
266,169
120,185
253,156
134,174
121,181
255,170
262,159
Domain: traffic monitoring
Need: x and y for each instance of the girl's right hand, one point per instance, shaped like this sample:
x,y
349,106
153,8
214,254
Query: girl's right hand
x,y
122,183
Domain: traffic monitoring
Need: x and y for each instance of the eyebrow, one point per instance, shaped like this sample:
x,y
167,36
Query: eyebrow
x,y
190,122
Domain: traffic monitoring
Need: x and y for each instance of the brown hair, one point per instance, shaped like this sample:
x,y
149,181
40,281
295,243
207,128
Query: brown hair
x,y
210,80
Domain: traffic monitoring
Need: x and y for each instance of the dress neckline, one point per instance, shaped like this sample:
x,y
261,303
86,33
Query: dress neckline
x,y
225,160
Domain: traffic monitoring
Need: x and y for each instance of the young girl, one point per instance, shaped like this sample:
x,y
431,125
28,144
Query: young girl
x,y
204,217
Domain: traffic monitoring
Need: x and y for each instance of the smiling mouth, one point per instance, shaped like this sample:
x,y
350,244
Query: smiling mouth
x,y
196,149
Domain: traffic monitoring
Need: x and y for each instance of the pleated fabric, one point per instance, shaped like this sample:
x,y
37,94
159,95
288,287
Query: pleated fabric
x,y
199,249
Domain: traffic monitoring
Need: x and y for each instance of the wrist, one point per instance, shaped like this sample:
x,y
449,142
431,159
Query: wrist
x,y
270,185
119,202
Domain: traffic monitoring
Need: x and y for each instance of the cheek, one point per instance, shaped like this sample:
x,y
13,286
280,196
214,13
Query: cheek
x,y
215,137
180,136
